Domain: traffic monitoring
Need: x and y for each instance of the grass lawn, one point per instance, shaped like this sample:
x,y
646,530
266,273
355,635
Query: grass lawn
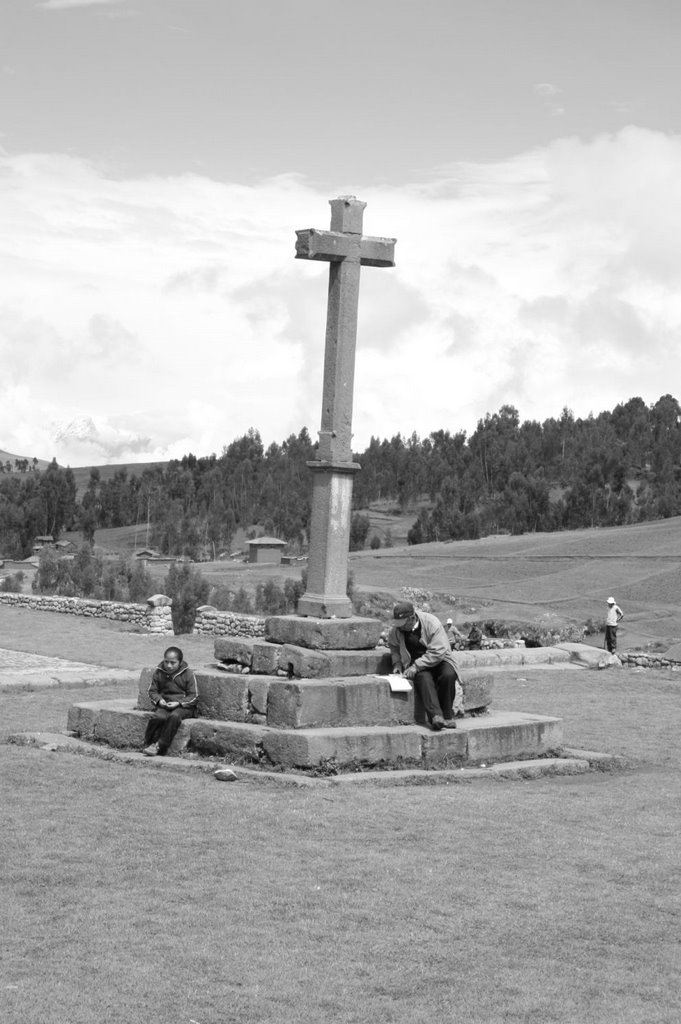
x,y
135,895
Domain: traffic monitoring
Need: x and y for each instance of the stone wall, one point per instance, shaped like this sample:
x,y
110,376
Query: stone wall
x,y
152,617
211,622
647,660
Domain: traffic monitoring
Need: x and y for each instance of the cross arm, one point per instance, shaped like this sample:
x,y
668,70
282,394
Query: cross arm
x,y
335,246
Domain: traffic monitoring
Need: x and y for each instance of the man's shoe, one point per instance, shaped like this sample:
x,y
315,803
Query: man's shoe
x,y
450,723
437,722
151,751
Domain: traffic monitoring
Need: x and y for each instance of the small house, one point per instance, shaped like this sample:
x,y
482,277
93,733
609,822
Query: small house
x,y
266,549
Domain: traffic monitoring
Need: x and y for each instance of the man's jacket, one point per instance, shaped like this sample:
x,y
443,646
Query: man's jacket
x,y
434,639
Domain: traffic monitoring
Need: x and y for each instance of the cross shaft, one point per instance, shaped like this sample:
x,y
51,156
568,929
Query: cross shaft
x,y
346,250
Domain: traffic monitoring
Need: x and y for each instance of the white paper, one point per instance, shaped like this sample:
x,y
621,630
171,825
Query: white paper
x,y
398,684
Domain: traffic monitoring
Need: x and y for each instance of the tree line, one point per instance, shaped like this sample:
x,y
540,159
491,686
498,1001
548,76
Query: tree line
x,y
617,467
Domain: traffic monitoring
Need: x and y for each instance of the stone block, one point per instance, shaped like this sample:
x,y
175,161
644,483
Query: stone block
x,y
445,749
260,656
229,648
121,726
303,663
143,702
351,634
82,719
265,658
366,746
223,695
510,736
348,702
242,743
258,690
478,688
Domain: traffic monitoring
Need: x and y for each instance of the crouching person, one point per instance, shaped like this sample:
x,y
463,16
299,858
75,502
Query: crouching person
x,y
174,695
420,650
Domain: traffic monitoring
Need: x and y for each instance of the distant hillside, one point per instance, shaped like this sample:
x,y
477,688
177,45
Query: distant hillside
x,y
81,474
13,459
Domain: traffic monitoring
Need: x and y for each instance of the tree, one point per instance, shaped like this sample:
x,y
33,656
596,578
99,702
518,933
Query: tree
x,y
359,529
188,589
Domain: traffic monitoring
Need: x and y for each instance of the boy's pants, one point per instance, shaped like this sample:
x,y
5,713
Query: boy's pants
x,y
162,727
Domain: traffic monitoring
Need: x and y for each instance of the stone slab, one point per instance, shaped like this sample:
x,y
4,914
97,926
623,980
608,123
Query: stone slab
x,y
506,736
335,703
501,656
313,748
304,663
348,634
259,655
590,657
510,771
240,743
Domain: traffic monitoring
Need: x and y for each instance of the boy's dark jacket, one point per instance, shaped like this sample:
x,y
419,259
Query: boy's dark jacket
x,y
181,685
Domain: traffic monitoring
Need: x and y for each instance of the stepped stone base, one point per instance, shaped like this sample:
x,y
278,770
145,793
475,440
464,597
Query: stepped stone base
x,y
313,694
495,737
309,703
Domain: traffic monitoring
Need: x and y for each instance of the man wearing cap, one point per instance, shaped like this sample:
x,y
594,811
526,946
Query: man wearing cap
x,y
612,620
420,650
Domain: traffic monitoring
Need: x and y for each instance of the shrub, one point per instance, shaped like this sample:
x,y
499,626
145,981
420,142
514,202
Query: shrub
x,y
188,589
12,584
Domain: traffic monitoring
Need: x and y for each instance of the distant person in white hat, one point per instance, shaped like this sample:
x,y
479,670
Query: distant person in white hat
x,y
455,635
612,621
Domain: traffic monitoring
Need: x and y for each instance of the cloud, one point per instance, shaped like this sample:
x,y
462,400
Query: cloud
x,y
63,5
548,93
171,315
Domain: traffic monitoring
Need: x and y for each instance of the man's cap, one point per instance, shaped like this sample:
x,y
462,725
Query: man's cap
x,y
449,622
402,611
611,600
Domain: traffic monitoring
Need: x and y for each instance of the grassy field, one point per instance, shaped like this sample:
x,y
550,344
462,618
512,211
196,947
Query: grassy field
x,y
148,896
548,578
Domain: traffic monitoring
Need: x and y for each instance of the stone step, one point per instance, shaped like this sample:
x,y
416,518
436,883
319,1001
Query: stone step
x,y
351,634
266,658
304,703
496,736
500,656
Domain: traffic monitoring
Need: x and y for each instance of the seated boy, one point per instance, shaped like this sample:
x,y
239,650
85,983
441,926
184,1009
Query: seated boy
x,y
174,695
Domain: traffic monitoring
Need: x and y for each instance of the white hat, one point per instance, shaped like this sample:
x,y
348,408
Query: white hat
x,y
449,622
611,600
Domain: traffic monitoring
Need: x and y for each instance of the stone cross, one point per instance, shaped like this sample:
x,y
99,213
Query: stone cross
x,y
346,249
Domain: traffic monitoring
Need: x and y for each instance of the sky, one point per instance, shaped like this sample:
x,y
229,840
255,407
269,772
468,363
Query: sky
x,y
157,157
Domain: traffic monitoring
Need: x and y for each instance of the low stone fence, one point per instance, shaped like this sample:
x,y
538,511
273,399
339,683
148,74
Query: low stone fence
x,y
647,660
211,622
152,617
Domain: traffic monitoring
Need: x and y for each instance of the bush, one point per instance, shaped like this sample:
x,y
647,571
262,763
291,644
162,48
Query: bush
x,y
188,589
12,584
270,599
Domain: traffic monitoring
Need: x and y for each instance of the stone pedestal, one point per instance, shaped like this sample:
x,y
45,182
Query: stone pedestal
x,y
298,701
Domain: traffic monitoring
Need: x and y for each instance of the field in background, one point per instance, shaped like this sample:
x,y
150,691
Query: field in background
x,y
548,577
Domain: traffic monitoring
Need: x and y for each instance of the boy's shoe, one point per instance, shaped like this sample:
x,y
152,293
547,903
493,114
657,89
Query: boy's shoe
x,y
151,750
450,723
437,722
